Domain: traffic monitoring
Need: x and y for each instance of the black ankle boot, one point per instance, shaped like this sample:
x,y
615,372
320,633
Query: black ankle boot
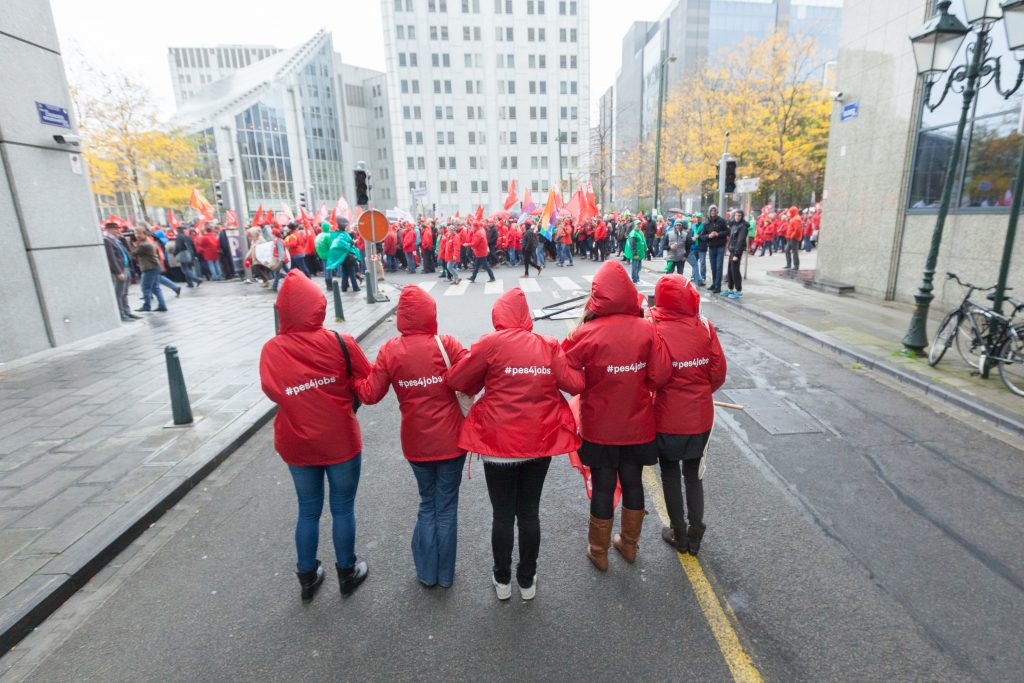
x,y
694,534
349,579
310,581
675,538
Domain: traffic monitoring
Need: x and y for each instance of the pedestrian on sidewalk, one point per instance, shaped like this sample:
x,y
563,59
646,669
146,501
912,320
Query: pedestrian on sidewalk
x,y
296,243
698,370
209,249
481,249
679,243
409,249
530,249
623,361
310,373
120,266
519,423
416,364
184,251
739,230
718,232
427,247
452,253
148,258
698,257
794,232
343,256
636,248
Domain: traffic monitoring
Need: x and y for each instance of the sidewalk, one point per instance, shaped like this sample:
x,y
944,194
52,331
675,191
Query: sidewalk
x,y
868,331
88,453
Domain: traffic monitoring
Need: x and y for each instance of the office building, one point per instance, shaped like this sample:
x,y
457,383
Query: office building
x,y
193,68
696,31
887,160
483,92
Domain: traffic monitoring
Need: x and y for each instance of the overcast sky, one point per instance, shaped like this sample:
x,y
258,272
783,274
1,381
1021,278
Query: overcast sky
x,y
133,35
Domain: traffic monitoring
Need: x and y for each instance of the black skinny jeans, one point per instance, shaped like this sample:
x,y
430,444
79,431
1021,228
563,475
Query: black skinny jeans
x,y
602,479
673,488
735,278
515,497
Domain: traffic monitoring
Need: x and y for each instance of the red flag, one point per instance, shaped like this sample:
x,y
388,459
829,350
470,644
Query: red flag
x,y
512,197
258,218
334,217
343,209
172,220
321,213
231,220
456,214
479,212
591,203
198,202
528,204
574,206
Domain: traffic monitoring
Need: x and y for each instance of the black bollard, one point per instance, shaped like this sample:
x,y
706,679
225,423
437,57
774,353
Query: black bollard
x,y
180,407
339,313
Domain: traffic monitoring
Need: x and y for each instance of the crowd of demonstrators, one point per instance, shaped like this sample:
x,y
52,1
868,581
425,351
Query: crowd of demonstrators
x,y
787,231
621,360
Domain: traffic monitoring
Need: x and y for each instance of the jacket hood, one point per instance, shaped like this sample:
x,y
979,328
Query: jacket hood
x,y
417,311
301,305
512,312
675,297
612,291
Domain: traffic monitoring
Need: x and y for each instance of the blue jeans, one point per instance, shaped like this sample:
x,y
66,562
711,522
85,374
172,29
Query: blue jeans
x,y
436,533
564,252
348,275
410,262
390,263
541,254
299,262
481,261
214,269
635,272
279,275
190,276
697,266
309,488
716,254
150,284
512,260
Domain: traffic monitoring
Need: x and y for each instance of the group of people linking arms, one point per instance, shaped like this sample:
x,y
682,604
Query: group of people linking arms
x,y
645,386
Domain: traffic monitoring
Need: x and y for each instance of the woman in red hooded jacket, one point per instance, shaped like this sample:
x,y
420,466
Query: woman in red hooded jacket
x,y
684,411
415,364
309,373
519,423
452,250
623,360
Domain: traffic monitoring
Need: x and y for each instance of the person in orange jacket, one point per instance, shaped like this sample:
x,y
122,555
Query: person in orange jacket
x,y
794,231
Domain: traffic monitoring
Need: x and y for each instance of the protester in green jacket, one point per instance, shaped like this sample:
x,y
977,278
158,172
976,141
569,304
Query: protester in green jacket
x,y
636,248
343,246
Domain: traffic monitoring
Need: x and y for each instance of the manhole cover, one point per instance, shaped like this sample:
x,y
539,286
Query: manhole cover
x,y
807,310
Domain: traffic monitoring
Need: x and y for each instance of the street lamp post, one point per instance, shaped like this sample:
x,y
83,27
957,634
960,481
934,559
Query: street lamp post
x,y
935,46
665,61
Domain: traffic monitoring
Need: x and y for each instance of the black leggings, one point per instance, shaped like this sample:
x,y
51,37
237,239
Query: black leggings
x,y
673,489
530,259
734,278
515,501
602,503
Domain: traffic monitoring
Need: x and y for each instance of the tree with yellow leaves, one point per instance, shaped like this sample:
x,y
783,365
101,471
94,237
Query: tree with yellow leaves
x,y
769,98
129,152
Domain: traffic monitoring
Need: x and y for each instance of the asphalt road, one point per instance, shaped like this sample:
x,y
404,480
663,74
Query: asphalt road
x,y
879,544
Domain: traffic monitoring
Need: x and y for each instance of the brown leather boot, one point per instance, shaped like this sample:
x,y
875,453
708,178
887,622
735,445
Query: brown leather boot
x,y
627,540
598,539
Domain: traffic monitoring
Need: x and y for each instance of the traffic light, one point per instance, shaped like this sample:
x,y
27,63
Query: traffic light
x,y
302,200
730,176
218,193
362,187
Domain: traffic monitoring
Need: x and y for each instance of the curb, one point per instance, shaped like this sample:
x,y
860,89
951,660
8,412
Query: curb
x,y
926,386
43,593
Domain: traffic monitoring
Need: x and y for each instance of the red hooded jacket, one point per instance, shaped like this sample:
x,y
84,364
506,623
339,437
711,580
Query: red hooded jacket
x,y
427,238
522,413
413,365
303,371
479,243
452,247
623,359
390,243
408,240
684,405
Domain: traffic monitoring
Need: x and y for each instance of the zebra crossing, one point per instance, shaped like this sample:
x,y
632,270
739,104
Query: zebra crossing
x,y
557,286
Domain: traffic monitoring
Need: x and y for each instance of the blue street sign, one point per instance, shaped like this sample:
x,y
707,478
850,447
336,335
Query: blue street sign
x,y
53,116
850,111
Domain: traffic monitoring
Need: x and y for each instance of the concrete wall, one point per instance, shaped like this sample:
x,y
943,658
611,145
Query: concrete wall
x,y
867,237
56,284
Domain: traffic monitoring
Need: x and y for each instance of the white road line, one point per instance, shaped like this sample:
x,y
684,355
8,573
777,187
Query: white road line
x,y
427,285
565,283
496,287
528,285
457,290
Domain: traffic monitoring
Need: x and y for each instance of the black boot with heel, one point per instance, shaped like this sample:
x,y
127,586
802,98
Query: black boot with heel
x,y
349,579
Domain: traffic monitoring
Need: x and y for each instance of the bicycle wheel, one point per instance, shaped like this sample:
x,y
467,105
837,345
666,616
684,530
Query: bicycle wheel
x,y
1011,364
971,345
944,337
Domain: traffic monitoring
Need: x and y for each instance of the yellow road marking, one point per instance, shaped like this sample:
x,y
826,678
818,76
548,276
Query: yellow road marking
x,y
736,658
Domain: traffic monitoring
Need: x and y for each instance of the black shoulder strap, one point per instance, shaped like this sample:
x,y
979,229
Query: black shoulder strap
x,y
344,352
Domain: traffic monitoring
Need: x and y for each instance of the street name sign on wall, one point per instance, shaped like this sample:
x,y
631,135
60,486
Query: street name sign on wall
x,y
850,111
53,116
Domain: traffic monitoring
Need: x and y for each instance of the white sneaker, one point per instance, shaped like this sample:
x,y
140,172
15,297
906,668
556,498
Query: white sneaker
x,y
503,590
531,592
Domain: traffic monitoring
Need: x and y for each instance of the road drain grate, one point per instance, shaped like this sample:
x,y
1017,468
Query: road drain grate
x,y
773,412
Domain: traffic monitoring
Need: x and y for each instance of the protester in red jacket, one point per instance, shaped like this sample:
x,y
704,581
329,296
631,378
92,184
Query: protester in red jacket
x,y
794,231
450,249
409,248
416,367
519,423
306,371
623,360
684,411
427,247
480,253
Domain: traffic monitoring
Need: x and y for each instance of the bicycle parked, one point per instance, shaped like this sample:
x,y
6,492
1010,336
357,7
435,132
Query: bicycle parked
x,y
984,338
